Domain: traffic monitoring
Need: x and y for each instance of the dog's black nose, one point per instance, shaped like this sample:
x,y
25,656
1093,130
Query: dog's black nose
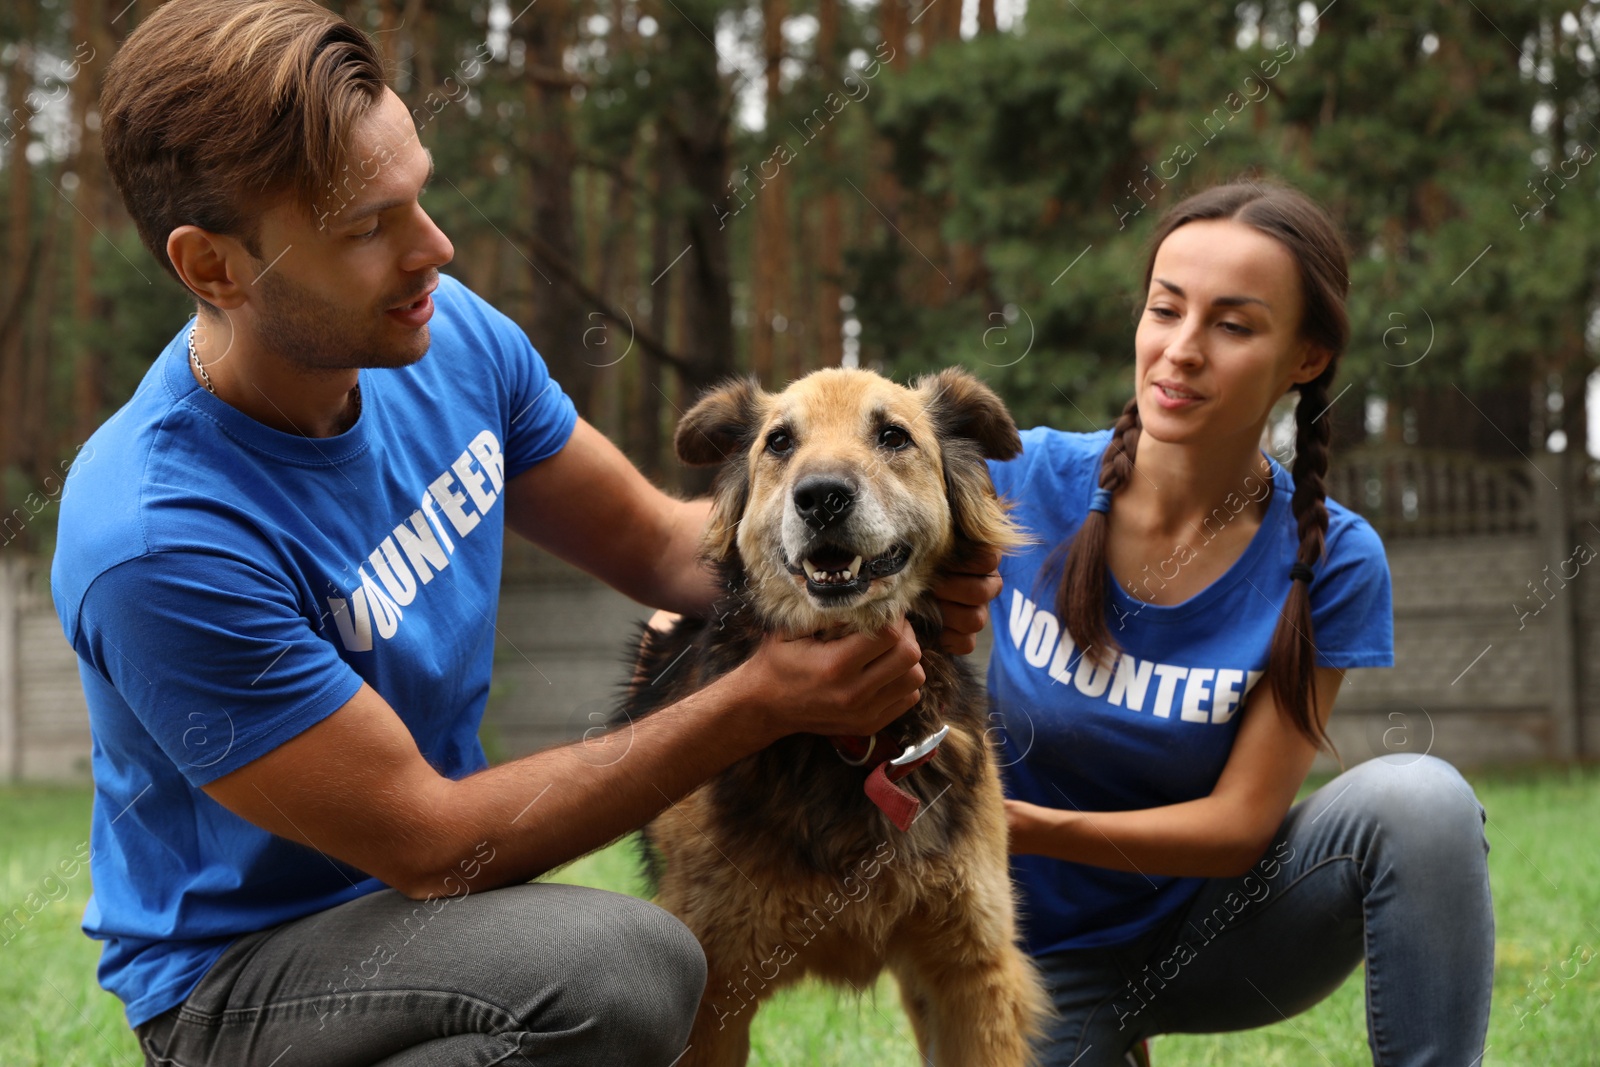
x,y
822,499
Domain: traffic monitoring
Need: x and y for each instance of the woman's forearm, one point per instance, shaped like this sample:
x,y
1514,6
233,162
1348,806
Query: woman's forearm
x,y
1209,837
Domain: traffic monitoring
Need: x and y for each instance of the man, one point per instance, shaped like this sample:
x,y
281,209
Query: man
x,y
280,574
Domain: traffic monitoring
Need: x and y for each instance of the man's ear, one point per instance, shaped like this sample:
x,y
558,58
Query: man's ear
x,y
720,424
961,406
208,264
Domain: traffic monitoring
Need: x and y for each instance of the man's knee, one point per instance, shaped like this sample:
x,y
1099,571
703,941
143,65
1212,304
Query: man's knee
x,y
644,999
618,974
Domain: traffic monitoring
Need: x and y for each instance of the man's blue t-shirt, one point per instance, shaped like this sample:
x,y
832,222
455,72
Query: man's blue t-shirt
x,y
1157,727
227,586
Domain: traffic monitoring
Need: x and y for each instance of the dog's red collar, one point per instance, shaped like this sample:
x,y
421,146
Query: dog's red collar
x,y
898,804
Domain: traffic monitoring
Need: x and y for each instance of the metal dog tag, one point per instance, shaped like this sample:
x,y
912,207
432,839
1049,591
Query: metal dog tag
x,y
917,751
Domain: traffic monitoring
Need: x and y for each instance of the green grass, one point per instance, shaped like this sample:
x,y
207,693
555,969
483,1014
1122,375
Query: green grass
x,y
1544,865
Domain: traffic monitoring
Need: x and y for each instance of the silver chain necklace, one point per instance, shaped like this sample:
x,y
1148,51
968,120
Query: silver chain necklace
x,y
194,357
205,379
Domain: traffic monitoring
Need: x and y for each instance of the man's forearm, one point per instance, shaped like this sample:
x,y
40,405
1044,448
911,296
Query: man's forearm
x,y
549,808
680,579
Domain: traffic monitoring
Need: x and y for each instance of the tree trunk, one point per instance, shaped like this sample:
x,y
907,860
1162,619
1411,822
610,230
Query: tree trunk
x,y
90,201
708,309
826,333
939,20
644,424
557,322
699,142
617,273
893,25
617,270
38,403
16,278
986,22
422,26
770,256
386,37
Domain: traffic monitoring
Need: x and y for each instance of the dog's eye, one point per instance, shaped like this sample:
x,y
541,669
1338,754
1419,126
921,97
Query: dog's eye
x,y
779,443
893,438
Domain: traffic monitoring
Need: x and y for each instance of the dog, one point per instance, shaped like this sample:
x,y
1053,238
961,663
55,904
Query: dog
x,y
837,502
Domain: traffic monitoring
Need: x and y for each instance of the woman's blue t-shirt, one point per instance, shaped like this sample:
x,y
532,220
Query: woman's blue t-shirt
x,y
1157,727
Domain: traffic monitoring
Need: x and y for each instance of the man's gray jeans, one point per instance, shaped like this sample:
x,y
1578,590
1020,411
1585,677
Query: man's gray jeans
x,y
536,974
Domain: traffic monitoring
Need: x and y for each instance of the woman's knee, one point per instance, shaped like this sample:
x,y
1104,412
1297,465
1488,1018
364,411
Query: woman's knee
x,y
1418,803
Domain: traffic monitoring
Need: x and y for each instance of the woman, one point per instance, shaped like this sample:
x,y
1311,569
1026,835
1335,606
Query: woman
x,y
1155,741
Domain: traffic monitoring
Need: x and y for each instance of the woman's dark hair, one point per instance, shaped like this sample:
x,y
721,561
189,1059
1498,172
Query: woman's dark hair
x,y
1303,228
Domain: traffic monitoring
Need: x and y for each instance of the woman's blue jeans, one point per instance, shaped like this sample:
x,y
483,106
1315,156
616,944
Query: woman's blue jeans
x,y
1387,863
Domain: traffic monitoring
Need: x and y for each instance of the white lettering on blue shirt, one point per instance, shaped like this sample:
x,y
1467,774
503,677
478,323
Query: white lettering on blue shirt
x,y
1201,694
418,547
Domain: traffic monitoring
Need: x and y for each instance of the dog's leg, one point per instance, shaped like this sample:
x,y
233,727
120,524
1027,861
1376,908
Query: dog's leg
x,y
918,1002
959,965
987,1009
737,926
973,997
721,1034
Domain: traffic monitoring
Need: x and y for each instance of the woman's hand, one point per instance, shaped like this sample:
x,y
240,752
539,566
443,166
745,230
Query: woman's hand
x,y
964,589
1031,827
1220,835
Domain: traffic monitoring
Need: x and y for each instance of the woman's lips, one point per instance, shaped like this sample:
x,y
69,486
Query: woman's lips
x,y
1173,400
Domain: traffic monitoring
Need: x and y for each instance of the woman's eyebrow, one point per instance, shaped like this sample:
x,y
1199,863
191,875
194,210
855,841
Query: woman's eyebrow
x,y
1221,301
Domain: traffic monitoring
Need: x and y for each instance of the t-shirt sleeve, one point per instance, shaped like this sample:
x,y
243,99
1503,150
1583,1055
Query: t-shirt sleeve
x,y
542,414
1352,603
1009,475
213,656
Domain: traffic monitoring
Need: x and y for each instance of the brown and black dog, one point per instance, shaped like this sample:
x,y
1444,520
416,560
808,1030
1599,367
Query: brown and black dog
x,y
837,502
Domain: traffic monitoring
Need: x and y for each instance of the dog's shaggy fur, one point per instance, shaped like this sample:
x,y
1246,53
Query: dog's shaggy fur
x,y
781,865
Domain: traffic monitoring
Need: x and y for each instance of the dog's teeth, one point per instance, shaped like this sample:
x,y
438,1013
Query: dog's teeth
x,y
855,568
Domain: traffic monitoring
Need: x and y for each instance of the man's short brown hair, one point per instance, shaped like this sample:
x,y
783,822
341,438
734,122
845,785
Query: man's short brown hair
x,y
213,109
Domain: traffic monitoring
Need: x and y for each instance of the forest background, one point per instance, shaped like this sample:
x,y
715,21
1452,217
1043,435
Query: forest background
x,y
665,192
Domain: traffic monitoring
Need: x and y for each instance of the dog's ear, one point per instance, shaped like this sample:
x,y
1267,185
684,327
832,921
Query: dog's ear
x,y
719,429
962,406
973,425
720,424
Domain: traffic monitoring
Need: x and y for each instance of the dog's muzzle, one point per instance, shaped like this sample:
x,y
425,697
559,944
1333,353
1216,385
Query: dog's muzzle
x,y
832,574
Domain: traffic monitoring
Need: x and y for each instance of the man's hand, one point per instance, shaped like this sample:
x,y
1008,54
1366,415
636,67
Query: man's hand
x,y
964,589
855,685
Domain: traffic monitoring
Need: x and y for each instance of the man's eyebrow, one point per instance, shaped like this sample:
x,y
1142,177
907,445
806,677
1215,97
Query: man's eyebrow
x,y
1221,301
380,206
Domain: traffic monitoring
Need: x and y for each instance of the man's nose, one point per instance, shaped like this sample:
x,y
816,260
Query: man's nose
x,y
433,250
